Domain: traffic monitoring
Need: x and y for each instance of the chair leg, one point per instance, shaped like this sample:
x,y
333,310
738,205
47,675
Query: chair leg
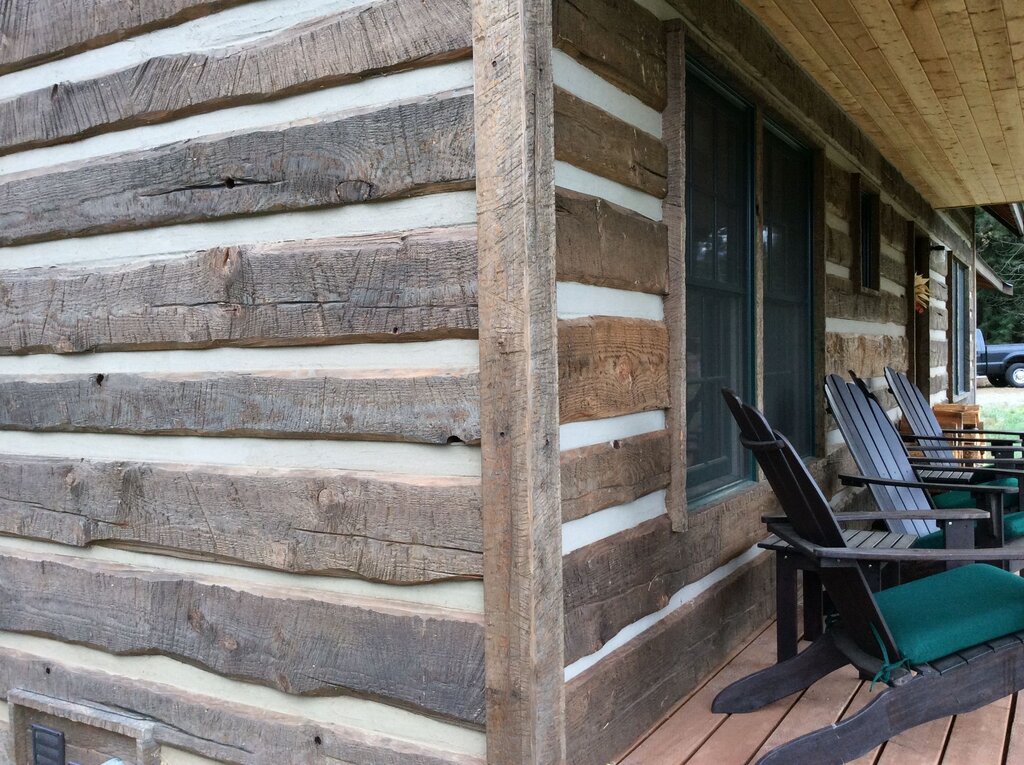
x,y
779,680
785,607
813,620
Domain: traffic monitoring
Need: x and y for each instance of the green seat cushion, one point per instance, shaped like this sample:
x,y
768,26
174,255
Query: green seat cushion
x,y
953,499
1013,528
947,612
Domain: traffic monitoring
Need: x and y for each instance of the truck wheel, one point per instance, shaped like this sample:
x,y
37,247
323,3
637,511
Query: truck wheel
x,y
1015,375
997,381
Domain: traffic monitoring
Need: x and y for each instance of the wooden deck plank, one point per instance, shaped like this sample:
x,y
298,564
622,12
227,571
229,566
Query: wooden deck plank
x,y
693,722
922,745
978,737
1015,734
860,699
822,704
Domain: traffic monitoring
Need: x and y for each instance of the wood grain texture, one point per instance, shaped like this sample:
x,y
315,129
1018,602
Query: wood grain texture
x,y
368,40
594,140
520,490
619,40
606,245
424,406
867,355
674,210
610,474
386,528
413,148
417,285
33,31
223,731
610,366
416,656
613,703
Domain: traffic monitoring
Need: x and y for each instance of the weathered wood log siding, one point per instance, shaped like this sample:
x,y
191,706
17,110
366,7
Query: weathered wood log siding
x,y
289,613
613,582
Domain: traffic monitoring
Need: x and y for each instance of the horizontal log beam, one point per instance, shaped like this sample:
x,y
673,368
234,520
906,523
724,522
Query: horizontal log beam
x,y
616,701
415,286
398,151
393,529
609,246
420,657
618,39
34,31
604,475
335,50
596,141
425,406
843,300
867,355
610,366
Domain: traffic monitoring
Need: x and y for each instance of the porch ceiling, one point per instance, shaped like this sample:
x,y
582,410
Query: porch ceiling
x,y
937,84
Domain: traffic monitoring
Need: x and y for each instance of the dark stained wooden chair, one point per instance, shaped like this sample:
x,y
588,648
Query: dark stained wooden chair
x,y
888,471
942,645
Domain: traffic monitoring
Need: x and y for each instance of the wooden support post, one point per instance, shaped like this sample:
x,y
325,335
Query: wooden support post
x,y
519,381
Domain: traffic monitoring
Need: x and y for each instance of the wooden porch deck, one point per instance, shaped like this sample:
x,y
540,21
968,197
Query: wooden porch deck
x,y
692,735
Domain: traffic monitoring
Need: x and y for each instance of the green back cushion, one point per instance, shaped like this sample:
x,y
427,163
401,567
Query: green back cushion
x,y
953,499
1013,528
953,610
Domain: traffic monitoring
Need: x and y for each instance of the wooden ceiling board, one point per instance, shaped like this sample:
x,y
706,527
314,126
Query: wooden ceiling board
x,y
936,84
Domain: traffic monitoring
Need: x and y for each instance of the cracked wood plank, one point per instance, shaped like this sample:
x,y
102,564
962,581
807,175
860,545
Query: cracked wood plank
x,y
594,140
424,658
222,730
423,406
334,50
610,366
34,31
410,149
606,245
619,40
605,475
418,285
386,528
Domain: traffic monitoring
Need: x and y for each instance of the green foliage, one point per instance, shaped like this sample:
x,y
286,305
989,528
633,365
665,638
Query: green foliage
x,y
1001,317
1003,416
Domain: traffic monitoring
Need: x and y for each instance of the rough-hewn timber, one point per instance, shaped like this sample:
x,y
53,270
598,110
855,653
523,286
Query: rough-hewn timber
x,y
219,730
518,378
605,475
368,40
606,245
33,31
614,702
427,406
408,286
292,640
867,355
596,141
609,366
619,40
388,528
413,148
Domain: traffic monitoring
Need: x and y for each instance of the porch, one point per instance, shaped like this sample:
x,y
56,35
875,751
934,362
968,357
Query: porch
x,y
692,735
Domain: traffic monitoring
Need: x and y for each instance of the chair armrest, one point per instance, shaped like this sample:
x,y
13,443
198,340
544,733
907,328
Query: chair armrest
x,y
847,555
863,480
966,446
1013,433
949,514
969,466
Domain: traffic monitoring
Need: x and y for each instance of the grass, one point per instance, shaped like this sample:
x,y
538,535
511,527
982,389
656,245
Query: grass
x,y
1003,416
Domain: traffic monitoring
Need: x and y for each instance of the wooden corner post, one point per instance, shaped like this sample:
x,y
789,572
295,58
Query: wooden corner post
x,y
514,111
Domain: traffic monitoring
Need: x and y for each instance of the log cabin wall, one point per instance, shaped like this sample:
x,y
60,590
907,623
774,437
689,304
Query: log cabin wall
x,y
239,472
658,593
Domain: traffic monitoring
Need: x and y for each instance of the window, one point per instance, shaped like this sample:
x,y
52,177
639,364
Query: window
x,y
786,243
719,337
960,328
867,234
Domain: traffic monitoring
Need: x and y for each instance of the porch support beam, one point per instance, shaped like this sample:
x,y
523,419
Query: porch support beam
x,y
519,381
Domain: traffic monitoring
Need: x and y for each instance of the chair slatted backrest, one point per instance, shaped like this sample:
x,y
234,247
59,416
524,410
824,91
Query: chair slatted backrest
x,y
879,452
811,516
920,417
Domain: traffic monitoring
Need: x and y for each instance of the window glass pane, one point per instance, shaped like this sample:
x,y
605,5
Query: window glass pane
x,y
788,363
960,299
718,312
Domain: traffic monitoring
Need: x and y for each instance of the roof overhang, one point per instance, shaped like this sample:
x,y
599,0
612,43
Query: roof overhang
x,y
989,279
1011,216
933,83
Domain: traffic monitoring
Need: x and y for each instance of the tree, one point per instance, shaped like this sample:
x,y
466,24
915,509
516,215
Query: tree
x,y
1001,317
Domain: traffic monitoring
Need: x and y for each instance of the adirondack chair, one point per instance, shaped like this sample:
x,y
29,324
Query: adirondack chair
x,y
1003,449
942,645
886,468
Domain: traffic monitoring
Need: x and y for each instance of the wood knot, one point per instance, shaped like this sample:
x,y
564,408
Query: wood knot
x,y
227,643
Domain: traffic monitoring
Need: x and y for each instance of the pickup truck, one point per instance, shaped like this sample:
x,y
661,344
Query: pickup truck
x,y
1001,364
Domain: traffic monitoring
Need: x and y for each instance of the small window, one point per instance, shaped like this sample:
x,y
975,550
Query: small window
x,y
960,328
867,231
